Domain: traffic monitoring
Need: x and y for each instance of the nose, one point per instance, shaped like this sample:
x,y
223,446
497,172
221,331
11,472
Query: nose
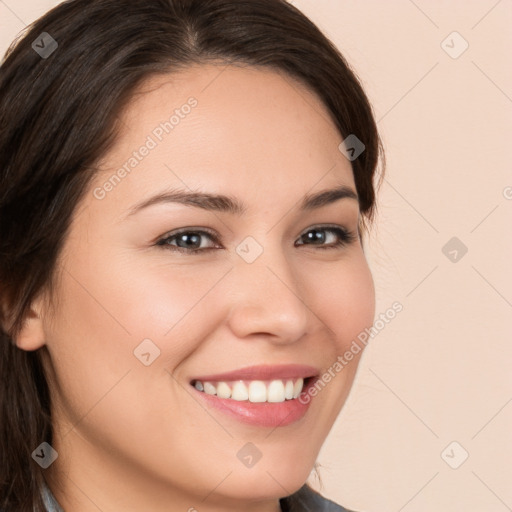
x,y
267,299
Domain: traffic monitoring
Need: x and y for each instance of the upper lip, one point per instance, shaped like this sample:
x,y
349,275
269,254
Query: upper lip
x,y
263,372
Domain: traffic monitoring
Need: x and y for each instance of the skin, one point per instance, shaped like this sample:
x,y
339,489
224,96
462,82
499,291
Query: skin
x,y
133,437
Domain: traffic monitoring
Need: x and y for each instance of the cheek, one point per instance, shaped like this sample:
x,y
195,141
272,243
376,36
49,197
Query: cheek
x,y
146,296
89,339
345,299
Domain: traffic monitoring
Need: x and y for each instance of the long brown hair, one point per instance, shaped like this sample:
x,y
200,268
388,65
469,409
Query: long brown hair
x,y
59,105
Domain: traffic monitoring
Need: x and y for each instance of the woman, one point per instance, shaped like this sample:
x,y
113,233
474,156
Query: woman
x,y
185,185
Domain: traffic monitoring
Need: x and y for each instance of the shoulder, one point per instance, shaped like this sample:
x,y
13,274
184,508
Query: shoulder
x,y
308,500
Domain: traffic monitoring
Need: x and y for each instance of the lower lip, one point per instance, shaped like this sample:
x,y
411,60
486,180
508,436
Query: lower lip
x,y
263,414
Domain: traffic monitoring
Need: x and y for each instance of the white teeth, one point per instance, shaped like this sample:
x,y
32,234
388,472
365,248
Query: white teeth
x,y
240,391
274,391
288,390
257,391
223,390
209,389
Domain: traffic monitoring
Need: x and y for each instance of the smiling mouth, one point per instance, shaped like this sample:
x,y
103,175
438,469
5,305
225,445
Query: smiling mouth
x,y
255,391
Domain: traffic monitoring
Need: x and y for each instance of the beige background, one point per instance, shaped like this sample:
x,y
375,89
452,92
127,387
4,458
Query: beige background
x,y
440,371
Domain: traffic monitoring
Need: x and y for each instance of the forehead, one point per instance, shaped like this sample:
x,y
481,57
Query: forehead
x,y
219,127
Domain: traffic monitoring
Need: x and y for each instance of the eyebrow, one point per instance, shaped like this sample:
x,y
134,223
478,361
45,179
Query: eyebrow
x,y
230,204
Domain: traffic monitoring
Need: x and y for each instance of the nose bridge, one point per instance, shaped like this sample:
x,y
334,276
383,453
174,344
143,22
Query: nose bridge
x,y
267,296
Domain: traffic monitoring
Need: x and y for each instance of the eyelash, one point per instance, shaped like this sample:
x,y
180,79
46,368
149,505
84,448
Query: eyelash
x,y
345,237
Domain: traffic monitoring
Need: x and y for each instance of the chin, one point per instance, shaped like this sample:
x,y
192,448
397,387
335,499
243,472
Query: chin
x,y
269,481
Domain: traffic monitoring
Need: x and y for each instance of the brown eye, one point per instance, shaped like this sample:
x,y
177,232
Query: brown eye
x,y
316,236
186,241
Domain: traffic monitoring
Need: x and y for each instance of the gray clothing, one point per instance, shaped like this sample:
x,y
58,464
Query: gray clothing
x,y
50,502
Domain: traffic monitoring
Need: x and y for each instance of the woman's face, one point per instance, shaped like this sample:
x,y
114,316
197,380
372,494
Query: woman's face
x,y
138,321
